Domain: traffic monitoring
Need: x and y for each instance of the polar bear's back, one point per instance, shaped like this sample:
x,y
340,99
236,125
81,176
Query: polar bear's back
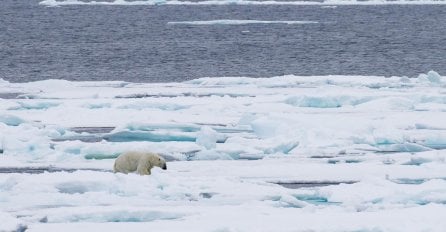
x,y
128,161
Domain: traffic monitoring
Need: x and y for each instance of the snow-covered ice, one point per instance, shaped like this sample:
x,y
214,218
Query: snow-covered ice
x,y
360,153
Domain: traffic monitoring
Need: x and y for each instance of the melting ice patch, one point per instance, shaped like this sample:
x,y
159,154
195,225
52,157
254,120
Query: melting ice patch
x,y
145,105
97,105
129,136
238,22
39,105
103,214
11,120
386,194
326,101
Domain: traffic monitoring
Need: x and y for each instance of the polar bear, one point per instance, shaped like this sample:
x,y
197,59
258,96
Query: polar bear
x,y
141,162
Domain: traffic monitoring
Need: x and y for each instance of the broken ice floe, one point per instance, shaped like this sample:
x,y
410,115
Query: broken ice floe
x,y
332,116
11,120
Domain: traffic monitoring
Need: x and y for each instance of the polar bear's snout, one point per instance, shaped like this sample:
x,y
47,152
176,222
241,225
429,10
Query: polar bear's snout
x,y
164,167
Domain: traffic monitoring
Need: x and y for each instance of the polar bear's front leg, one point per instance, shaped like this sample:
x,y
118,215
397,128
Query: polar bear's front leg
x,y
144,167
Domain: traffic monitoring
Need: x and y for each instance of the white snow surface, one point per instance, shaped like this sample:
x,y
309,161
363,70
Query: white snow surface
x,y
241,2
364,153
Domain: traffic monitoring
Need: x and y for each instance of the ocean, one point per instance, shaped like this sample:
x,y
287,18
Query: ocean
x,y
174,43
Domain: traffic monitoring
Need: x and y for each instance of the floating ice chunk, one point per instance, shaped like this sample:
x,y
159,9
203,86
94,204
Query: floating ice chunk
x,y
423,78
178,156
432,77
435,140
388,103
315,199
162,126
439,107
112,215
266,127
97,105
283,146
26,141
254,148
405,79
387,136
207,137
316,102
403,147
417,161
98,156
8,184
34,105
238,22
387,192
288,201
325,101
392,140
150,105
329,7
211,155
246,119
128,136
11,120
422,126
226,81
10,223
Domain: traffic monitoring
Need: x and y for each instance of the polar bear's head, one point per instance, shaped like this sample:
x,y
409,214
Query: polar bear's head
x,y
157,160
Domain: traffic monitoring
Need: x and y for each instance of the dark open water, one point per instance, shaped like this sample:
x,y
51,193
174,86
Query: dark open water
x,y
135,43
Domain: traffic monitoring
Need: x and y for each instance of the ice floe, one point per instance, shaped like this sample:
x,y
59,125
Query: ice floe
x,y
358,153
238,22
288,114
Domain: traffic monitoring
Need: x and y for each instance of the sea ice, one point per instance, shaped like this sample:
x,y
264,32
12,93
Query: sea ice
x,y
11,120
10,223
326,101
207,137
357,153
431,76
34,105
128,136
238,22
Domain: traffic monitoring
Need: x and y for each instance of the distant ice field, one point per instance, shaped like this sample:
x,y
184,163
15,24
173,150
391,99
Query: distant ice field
x,y
316,153
237,22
